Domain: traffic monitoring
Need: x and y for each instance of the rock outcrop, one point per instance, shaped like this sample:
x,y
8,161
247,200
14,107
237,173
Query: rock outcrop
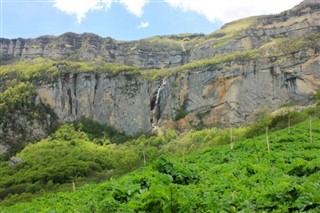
x,y
212,95
169,51
213,80
88,47
121,101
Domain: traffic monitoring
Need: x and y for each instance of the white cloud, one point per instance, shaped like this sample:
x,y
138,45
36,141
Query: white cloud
x,y
143,24
134,6
229,10
81,7
223,10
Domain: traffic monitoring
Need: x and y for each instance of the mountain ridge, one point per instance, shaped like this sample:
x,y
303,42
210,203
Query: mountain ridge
x,y
168,51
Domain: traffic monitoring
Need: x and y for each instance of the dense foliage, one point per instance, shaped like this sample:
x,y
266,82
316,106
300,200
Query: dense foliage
x,y
70,154
246,178
15,97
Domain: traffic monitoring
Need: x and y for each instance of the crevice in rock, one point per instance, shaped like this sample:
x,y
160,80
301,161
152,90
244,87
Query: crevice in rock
x,y
272,71
75,92
153,101
62,103
273,75
60,86
22,44
291,83
14,45
66,78
254,71
70,101
112,54
96,83
185,57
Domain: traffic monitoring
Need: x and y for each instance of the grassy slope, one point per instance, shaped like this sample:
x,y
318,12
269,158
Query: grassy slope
x,y
245,179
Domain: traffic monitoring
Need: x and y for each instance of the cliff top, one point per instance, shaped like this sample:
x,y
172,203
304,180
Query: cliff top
x,y
259,34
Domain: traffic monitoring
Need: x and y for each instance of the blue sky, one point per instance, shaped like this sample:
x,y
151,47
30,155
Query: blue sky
x,y
127,19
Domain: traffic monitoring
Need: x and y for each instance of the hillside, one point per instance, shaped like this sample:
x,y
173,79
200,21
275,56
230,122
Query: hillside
x,y
178,81
223,122
244,177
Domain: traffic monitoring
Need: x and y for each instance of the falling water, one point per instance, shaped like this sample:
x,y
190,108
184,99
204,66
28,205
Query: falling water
x,y
156,110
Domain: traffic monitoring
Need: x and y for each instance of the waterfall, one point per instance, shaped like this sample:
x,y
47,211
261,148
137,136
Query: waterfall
x,y
164,82
156,109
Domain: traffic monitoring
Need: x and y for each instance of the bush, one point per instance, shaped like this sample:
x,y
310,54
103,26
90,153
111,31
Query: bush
x,y
181,113
15,97
100,133
180,174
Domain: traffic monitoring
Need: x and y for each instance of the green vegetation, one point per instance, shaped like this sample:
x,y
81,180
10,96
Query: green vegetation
x,y
181,113
178,42
101,134
230,32
44,69
15,97
284,47
160,43
222,43
289,46
240,24
25,70
84,151
217,179
197,171
238,56
36,69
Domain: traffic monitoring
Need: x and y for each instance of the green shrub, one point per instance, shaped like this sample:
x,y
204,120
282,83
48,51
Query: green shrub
x,y
180,174
181,113
246,178
100,133
15,97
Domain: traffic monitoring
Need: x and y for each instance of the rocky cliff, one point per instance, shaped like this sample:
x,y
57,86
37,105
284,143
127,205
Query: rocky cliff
x,y
211,95
180,81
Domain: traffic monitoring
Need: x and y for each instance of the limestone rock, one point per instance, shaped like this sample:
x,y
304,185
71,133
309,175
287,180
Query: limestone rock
x,y
15,161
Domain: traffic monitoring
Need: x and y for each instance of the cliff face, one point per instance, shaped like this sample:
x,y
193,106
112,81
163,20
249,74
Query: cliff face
x,y
121,101
210,96
214,80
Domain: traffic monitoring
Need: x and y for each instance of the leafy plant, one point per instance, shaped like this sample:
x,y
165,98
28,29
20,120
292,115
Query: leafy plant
x,y
212,177
15,97
181,113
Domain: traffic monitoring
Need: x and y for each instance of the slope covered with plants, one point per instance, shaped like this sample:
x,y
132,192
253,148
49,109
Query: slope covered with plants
x,y
196,172
190,89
